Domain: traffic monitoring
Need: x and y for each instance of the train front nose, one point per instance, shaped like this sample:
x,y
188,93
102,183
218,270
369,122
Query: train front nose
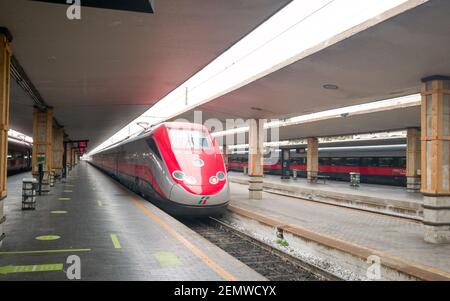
x,y
204,182
198,196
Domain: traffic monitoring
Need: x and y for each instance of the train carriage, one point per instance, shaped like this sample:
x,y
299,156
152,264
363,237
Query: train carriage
x,y
19,156
384,165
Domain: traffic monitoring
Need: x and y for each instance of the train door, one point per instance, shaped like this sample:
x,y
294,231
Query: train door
x,y
116,162
285,164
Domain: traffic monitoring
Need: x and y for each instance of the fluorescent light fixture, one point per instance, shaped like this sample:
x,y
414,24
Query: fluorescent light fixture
x,y
325,140
376,106
301,28
19,137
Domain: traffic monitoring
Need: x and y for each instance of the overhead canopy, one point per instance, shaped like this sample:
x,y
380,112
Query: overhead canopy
x,y
102,71
384,61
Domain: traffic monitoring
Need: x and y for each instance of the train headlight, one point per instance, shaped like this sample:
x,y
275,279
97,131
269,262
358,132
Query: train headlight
x,y
198,162
190,180
213,180
221,176
179,175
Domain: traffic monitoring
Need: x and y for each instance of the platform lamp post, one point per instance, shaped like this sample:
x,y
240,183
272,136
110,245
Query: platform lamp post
x,y
435,170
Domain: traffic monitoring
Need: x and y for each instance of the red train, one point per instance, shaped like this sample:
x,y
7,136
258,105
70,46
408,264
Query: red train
x,y
19,157
384,165
177,166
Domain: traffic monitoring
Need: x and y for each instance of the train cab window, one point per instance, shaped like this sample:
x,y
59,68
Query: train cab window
x,y
154,148
386,162
351,162
189,139
369,162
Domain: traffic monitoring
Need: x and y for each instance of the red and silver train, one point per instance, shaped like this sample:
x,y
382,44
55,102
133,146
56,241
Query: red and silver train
x,y
177,166
384,165
19,157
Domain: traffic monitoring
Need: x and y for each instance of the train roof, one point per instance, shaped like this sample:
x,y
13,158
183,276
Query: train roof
x,y
349,149
146,133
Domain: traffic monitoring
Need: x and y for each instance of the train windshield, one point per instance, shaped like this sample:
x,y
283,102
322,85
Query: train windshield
x,y
189,139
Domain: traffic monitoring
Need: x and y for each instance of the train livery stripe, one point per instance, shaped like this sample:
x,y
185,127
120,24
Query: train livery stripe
x,y
207,260
363,170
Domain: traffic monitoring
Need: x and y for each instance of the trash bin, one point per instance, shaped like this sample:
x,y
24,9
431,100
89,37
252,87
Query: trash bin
x,y
294,174
245,170
355,179
29,193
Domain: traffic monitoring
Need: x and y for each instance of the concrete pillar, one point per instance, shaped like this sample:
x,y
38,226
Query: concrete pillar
x,y
73,156
69,156
42,145
312,159
58,150
225,154
256,158
5,65
413,141
436,158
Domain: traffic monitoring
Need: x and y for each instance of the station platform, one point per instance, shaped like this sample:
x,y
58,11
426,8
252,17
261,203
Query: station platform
x,y
389,200
116,235
397,241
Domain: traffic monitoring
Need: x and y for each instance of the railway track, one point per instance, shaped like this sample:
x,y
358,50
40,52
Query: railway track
x,y
270,262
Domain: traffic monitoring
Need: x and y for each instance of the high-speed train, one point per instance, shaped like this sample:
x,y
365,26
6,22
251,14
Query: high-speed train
x,y
384,165
177,166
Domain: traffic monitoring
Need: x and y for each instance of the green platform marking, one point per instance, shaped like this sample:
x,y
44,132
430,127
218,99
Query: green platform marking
x,y
10,269
48,237
44,251
116,241
69,185
58,212
100,203
167,259
68,191
64,199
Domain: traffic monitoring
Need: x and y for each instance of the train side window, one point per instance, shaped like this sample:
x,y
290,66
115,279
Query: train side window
x,y
336,162
369,162
386,162
324,161
299,161
402,162
351,162
154,148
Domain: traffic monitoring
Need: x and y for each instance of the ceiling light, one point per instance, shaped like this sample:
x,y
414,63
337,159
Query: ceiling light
x,y
330,87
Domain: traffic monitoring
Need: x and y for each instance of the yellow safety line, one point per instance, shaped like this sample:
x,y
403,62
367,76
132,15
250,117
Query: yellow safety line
x,y
115,241
211,263
44,251
381,253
